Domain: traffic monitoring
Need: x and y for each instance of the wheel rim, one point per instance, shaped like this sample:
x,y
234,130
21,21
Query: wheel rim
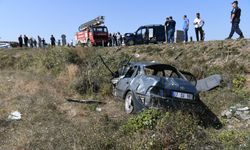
x,y
131,42
129,104
114,91
89,43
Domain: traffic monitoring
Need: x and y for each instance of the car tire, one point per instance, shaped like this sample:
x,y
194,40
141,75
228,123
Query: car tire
x,y
89,43
129,103
131,42
114,92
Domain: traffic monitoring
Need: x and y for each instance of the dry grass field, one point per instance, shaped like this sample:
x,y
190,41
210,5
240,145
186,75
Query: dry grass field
x,y
36,82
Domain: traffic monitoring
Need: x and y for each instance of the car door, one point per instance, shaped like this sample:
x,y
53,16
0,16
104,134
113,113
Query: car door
x,y
124,84
139,34
159,34
151,37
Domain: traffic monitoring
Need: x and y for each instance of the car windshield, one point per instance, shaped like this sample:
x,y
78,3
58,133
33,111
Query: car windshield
x,y
161,71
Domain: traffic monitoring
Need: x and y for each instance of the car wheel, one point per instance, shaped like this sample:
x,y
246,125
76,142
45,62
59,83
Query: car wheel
x,y
131,42
89,43
129,105
114,91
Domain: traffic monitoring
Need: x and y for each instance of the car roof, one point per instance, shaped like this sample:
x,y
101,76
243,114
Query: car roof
x,y
99,26
151,64
153,25
143,63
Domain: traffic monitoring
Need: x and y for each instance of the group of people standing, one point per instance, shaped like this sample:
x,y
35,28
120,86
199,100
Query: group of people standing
x,y
115,39
170,26
199,23
24,41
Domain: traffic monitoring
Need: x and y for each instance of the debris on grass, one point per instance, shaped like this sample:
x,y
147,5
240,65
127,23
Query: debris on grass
x,y
85,101
16,115
98,109
237,111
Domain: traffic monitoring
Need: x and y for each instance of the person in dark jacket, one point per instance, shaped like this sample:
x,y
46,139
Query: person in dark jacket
x,y
26,40
35,43
43,43
171,31
235,20
167,29
31,42
20,41
110,39
39,41
115,39
64,41
53,41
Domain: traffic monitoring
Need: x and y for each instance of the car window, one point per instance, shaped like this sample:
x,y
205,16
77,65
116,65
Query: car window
x,y
148,71
168,73
151,32
138,71
139,32
144,33
161,73
132,71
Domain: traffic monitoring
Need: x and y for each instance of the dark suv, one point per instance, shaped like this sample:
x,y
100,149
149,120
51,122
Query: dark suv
x,y
145,35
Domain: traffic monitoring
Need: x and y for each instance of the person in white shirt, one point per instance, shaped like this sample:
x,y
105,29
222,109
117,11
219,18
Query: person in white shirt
x,y
198,24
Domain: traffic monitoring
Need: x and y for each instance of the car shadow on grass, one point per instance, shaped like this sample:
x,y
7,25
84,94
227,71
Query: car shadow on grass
x,y
206,117
200,111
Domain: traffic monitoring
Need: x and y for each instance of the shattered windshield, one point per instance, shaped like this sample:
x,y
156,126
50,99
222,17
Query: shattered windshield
x,y
161,71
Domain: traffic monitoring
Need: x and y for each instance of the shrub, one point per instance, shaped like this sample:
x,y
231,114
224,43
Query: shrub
x,y
6,61
238,86
145,120
85,86
233,139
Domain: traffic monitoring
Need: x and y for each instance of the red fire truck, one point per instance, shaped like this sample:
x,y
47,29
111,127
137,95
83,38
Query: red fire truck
x,y
93,33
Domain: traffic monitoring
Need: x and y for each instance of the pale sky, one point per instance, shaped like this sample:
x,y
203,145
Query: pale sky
x,y
47,17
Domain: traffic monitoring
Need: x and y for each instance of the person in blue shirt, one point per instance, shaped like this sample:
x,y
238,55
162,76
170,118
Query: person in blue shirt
x,y
171,30
185,28
235,20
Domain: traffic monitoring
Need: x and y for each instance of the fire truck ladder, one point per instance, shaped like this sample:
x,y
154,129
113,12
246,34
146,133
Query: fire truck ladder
x,y
95,22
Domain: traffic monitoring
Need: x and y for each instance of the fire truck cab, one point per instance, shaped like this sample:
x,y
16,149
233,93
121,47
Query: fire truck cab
x,y
93,33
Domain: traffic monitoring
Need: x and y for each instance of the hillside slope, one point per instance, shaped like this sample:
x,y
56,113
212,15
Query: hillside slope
x,y
36,82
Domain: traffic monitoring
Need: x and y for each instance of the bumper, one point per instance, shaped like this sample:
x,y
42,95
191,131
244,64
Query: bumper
x,y
100,42
168,102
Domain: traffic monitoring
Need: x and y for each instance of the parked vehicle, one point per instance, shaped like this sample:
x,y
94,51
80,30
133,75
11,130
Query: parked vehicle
x,y
93,33
5,45
145,35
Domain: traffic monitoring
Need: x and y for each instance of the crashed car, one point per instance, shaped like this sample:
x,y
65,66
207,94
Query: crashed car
x,y
149,84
